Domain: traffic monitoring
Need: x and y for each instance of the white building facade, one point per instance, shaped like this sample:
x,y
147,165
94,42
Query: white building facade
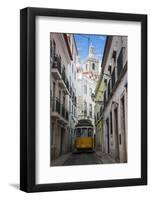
x,y
63,89
87,77
114,69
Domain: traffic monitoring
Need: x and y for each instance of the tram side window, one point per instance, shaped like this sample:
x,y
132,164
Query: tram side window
x,y
78,132
90,132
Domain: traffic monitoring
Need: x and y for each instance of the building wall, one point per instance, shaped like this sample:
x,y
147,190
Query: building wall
x,y
114,73
120,91
72,98
62,128
98,110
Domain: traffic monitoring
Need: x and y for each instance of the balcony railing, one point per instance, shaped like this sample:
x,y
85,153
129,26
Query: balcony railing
x,y
58,71
57,63
56,106
64,83
60,109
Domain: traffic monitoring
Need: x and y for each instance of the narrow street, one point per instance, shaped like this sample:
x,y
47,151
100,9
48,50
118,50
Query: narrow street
x,y
88,99
83,158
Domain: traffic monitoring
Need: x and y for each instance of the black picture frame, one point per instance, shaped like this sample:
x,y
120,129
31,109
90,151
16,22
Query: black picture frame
x,y
28,98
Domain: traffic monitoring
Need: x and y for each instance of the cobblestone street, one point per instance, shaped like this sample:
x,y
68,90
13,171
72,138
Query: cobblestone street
x,y
83,158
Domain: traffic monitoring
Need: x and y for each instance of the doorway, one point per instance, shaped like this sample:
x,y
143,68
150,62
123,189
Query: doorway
x,y
123,122
117,156
62,141
108,135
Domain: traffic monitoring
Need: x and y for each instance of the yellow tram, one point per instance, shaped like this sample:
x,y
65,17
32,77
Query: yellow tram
x,y
84,135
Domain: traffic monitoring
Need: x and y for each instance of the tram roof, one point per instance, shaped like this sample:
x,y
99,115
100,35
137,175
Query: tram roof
x,y
84,122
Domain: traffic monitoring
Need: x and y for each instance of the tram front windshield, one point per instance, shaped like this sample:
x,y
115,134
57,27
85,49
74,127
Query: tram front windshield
x,y
84,132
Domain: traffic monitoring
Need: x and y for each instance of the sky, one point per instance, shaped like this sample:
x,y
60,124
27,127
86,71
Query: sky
x,y
98,42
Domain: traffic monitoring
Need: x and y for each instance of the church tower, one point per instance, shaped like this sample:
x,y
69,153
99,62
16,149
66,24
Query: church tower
x,y
91,64
87,77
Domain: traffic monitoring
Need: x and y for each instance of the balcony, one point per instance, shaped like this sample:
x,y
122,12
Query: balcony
x,y
59,112
56,67
64,83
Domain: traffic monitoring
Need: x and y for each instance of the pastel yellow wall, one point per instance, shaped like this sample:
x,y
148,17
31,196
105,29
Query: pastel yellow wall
x,y
99,93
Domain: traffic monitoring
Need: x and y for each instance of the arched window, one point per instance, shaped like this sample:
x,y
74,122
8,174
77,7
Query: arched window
x,y
93,66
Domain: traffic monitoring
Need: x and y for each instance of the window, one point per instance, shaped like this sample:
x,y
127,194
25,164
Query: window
x,y
78,132
108,136
74,112
54,49
120,62
109,88
63,100
69,106
51,46
101,110
113,77
84,132
93,66
110,69
114,56
85,89
90,92
90,110
85,108
60,96
111,129
104,98
90,132
52,133
105,81
54,89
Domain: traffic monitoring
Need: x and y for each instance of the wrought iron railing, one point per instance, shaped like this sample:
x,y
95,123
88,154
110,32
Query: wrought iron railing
x,y
57,63
59,108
